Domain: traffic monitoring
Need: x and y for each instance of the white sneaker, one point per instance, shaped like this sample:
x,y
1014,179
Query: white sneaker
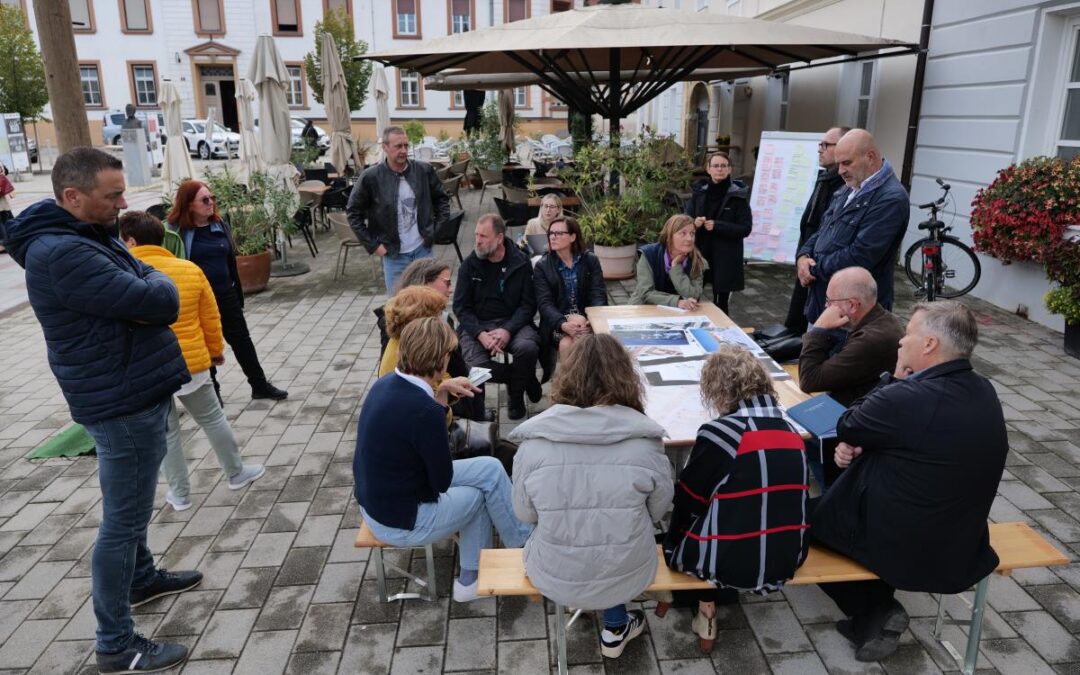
x,y
247,475
178,503
612,644
463,593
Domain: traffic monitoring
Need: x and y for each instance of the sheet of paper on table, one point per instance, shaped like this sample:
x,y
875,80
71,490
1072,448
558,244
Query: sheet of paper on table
x,y
652,338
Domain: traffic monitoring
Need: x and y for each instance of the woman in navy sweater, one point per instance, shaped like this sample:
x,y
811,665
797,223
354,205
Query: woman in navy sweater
x,y
410,492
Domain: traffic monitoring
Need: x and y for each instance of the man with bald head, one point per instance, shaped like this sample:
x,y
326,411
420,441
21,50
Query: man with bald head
x,y
862,226
848,348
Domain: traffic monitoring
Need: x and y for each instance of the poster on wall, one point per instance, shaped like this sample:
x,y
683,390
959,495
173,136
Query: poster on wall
x,y
783,181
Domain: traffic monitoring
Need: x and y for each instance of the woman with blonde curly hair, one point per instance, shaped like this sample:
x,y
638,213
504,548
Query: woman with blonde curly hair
x,y
410,303
739,518
592,474
671,271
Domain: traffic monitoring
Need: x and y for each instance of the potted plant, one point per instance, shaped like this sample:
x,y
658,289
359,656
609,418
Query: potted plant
x,y
254,212
415,132
485,147
616,219
1065,301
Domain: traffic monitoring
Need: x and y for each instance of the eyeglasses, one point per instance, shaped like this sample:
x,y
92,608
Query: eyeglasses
x,y
833,301
208,200
552,234
824,145
720,166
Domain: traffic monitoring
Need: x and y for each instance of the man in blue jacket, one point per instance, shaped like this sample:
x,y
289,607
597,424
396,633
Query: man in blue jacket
x,y
106,317
862,226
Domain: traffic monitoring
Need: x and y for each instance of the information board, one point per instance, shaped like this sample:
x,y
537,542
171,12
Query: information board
x,y
783,182
13,151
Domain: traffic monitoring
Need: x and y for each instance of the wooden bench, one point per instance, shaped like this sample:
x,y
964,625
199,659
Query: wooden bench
x,y
502,572
366,539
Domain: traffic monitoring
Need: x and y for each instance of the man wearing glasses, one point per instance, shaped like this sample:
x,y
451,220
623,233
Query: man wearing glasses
x,y
828,182
862,226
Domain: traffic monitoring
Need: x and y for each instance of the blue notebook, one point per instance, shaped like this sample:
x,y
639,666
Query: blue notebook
x,y
818,415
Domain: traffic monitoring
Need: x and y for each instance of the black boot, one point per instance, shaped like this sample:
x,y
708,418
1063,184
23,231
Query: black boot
x,y
267,390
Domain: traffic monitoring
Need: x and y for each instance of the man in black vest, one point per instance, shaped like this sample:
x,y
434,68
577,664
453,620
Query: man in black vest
x,y
828,182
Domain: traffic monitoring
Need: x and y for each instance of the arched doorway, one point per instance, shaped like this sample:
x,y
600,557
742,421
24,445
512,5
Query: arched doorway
x,y
700,112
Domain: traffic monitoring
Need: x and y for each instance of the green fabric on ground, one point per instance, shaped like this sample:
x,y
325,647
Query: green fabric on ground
x,y
70,442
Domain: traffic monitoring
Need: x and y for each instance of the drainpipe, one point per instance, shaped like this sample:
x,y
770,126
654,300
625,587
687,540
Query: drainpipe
x,y
491,12
916,95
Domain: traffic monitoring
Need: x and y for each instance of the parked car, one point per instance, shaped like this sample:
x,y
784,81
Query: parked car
x,y
297,126
113,121
224,143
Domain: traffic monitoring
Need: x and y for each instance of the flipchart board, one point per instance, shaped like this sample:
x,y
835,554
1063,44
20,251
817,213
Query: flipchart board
x,y
787,168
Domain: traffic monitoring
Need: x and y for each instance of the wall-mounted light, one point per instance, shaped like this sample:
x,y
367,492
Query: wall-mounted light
x,y
178,57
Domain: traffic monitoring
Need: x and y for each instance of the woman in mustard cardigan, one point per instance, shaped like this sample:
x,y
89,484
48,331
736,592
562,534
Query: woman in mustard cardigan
x,y
198,329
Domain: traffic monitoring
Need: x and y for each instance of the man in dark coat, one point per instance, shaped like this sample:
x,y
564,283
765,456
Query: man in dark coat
x,y
494,302
862,226
106,318
828,182
925,451
846,350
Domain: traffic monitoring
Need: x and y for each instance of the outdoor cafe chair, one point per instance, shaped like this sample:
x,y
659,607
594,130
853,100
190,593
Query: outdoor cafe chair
x,y
425,153
489,178
447,233
458,168
514,214
346,238
311,194
515,194
452,188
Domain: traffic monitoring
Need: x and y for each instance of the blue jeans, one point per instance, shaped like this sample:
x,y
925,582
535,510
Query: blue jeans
x,y
616,617
479,496
394,265
129,452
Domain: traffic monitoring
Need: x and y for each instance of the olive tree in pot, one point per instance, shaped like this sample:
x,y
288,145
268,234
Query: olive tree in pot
x,y
254,211
616,221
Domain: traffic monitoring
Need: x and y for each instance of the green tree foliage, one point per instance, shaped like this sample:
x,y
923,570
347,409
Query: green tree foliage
x,y
22,74
357,73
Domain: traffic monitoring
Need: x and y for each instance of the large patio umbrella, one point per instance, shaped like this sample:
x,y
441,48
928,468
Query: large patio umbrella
x,y
336,102
506,119
208,130
380,93
176,166
251,156
659,46
451,80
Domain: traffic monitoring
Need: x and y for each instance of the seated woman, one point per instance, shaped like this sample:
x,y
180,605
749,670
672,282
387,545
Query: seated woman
x,y
720,207
410,303
672,271
430,272
739,519
550,209
568,280
592,474
410,492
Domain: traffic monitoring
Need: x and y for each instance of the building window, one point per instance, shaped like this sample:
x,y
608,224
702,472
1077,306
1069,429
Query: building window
x,y
407,18
409,89
1068,144
296,94
462,14
144,84
516,10
82,16
209,19
521,97
285,17
561,5
90,76
135,16
337,6
866,87
457,99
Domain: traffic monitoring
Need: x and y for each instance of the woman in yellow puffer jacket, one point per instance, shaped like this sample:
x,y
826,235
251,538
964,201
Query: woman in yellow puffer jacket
x,y
198,330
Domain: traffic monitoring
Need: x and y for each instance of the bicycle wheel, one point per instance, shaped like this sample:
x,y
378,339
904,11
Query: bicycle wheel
x,y
959,268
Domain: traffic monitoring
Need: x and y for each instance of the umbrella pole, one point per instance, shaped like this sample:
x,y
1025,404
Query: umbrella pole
x,y
614,112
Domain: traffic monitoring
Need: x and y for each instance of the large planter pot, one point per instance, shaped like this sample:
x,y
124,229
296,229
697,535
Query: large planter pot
x,y
254,271
617,262
1072,339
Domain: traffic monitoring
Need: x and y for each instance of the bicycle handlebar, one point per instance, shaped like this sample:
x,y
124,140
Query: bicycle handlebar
x,y
945,187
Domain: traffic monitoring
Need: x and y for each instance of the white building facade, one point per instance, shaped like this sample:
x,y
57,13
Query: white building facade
x,y
127,48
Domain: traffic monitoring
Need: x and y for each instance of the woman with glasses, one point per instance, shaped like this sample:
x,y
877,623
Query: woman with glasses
x,y
550,209
204,238
671,272
720,207
409,490
568,281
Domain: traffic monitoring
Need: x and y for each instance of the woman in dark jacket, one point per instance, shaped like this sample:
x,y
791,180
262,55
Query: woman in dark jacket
x,y
207,242
720,208
568,281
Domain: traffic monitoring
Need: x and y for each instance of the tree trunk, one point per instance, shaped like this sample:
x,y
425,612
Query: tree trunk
x,y
62,73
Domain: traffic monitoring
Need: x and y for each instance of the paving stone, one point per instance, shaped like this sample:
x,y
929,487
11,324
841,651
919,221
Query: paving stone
x,y
776,628
417,660
330,500
160,536
82,625
64,599
313,663
73,546
285,608
63,658
249,587
285,517
423,623
302,566
13,500
811,605
207,521
671,636
687,667
801,663
225,634
369,649
12,614
1059,524
267,653
525,656
189,613
8,541
300,488
344,550
582,640
219,568
338,583
520,618
186,552
268,550
209,667
910,660
368,609
470,644
255,504
50,530
236,535
1022,496
39,580
28,517
836,653
27,643
1005,595
1014,656
324,628
318,531
1046,635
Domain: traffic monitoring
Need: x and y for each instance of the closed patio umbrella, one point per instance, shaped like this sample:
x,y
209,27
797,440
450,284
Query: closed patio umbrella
x,y
251,156
176,166
208,130
380,93
506,119
336,101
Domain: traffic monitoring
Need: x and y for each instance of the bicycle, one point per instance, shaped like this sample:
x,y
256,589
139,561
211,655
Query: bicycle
x,y
940,258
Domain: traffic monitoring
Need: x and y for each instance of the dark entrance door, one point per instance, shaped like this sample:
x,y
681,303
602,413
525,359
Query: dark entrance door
x,y
229,116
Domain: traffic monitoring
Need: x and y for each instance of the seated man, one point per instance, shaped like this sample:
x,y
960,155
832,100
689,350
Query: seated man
x,y
848,348
494,302
926,451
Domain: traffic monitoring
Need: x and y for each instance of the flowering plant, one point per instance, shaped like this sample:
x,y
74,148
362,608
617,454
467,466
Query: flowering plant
x,y
1023,213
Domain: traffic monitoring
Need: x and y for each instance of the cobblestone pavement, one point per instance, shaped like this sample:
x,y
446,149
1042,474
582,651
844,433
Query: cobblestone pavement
x,y
285,591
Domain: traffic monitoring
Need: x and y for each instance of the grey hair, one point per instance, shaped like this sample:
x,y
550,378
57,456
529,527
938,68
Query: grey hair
x,y
498,225
390,131
421,272
952,323
79,168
